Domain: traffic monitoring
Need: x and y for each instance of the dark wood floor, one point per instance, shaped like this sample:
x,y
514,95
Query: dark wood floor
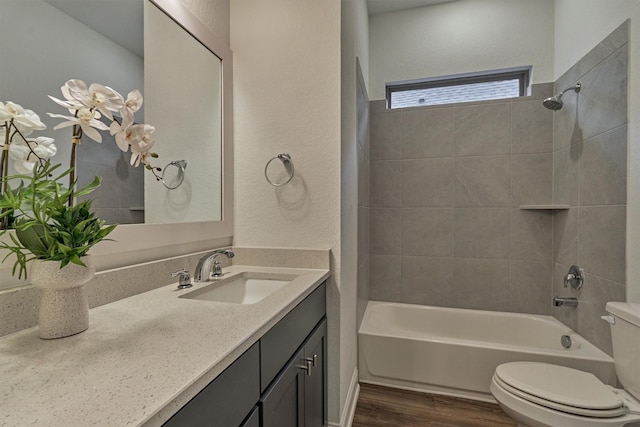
x,y
389,407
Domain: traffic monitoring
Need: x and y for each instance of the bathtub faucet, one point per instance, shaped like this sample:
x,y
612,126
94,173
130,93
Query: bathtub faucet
x,y
561,302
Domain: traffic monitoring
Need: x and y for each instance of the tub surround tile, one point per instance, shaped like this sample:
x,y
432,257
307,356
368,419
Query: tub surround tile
x,y
483,181
590,171
603,169
531,179
593,296
565,236
483,129
428,133
364,177
481,284
541,90
530,287
481,233
427,231
386,136
530,130
566,122
386,183
385,278
427,182
603,98
601,241
566,179
614,41
364,235
363,294
427,280
386,231
530,235
378,106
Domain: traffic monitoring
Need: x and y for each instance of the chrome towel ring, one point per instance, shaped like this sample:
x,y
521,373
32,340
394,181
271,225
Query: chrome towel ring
x,y
181,165
288,165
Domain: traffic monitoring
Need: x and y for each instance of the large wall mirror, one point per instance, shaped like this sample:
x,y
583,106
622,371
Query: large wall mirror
x,y
184,73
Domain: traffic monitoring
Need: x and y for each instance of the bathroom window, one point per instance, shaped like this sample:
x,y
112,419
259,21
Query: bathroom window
x,y
459,88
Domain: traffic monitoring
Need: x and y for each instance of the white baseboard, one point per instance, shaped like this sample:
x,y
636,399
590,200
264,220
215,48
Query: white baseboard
x,y
346,419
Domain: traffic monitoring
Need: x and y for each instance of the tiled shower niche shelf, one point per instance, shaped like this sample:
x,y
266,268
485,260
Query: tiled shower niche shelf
x,y
544,207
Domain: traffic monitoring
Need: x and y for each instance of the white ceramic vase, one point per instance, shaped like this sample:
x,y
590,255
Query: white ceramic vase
x,y
64,308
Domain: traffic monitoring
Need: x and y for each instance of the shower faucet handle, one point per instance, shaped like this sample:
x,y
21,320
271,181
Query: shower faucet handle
x,y
575,277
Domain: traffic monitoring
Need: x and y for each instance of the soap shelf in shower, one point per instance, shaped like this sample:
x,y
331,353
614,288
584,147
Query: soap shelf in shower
x,y
545,207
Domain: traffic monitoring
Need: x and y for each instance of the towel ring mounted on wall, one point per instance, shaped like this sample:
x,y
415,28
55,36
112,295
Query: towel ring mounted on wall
x,y
288,165
181,165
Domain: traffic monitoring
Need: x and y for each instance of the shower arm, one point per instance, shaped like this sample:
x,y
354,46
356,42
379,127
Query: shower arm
x,y
575,87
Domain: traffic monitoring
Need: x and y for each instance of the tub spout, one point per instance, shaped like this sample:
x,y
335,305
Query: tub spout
x,y
561,302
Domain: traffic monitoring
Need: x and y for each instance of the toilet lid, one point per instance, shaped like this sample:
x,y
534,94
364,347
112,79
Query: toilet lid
x,y
561,388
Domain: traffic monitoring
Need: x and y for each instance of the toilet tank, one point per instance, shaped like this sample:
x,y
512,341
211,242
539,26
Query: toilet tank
x,y
625,336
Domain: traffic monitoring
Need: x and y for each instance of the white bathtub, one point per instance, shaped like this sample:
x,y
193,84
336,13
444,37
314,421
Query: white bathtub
x,y
455,351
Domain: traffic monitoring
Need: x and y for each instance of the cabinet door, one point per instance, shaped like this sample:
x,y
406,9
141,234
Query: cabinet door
x,y
282,405
228,399
315,386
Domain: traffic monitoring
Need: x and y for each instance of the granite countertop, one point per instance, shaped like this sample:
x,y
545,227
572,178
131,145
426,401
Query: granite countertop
x,y
141,359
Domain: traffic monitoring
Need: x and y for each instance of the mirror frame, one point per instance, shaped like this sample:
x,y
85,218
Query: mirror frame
x,y
166,240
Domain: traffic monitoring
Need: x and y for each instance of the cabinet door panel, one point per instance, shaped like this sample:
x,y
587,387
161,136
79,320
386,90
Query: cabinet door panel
x,y
282,405
281,341
228,399
315,349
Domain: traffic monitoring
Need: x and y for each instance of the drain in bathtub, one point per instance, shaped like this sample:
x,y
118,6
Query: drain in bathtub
x,y
565,340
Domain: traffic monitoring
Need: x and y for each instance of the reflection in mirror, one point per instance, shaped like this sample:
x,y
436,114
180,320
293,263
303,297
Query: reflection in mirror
x,y
55,40
48,47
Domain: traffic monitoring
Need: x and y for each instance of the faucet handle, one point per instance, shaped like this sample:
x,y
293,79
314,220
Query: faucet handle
x,y
575,277
184,278
217,269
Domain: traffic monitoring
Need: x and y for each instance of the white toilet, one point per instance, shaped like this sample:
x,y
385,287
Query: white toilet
x,y
545,395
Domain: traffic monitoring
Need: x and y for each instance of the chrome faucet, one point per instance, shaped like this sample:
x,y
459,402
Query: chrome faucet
x,y
208,265
561,302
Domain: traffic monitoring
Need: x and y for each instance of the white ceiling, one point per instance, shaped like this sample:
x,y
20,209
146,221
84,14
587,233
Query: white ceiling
x,y
117,20
383,6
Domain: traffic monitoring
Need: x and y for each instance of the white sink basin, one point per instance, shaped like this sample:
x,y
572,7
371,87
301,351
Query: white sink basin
x,y
244,288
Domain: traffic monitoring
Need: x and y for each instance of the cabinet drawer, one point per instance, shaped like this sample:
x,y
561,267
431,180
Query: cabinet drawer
x,y
228,399
281,341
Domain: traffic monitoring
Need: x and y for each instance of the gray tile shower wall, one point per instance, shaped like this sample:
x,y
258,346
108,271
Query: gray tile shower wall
x,y
446,183
590,173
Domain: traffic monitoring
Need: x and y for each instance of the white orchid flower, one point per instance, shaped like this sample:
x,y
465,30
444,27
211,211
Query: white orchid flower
x,y
125,133
100,97
103,98
88,121
25,120
131,105
140,149
27,153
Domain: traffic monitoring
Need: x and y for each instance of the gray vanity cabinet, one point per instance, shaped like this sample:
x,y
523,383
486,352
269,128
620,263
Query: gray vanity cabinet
x,y
281,381
228,399
298,395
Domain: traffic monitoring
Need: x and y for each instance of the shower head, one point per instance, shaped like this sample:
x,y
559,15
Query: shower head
x,y
555,102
